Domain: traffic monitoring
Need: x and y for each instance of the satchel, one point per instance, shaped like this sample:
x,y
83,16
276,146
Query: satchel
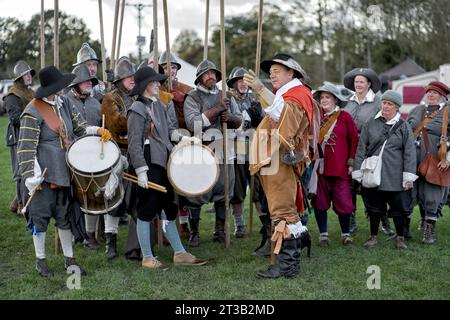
x,y
429,170
371,170
428,166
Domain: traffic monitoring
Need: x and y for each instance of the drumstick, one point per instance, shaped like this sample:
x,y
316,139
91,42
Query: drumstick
x,y
149,185
24,209
152,185
102,154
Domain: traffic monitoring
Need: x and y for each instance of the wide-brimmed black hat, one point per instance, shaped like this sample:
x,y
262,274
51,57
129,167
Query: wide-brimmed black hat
x,y
52,81
143,77
331,89
285,60
349,78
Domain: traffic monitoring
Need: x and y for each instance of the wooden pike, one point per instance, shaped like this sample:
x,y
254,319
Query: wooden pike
x,y
166,28
205,44
42,35
102,40
224,125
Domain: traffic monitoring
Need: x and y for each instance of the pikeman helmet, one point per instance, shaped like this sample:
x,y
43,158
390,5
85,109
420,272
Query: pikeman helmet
x,y
82,74
124,69
205,66
236,74
21,68
86,53
163,61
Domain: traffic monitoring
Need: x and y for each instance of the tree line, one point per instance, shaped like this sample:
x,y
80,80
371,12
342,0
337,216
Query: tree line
x,y
327,37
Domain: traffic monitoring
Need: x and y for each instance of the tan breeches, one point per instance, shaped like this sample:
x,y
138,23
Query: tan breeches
x,y
281,193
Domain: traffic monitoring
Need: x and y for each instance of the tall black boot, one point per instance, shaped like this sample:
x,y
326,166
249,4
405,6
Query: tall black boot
x,y
305,242
219,230
266,232
111,245
406,230
194,238
91,242
289,258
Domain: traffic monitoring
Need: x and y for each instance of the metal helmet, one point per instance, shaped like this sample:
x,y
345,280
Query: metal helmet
x,y
163,61
21,68
82,74
205,66
123,69
287,61
236,74
86,53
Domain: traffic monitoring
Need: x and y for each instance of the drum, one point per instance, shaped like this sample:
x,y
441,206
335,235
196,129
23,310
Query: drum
x,y
193,169
89,173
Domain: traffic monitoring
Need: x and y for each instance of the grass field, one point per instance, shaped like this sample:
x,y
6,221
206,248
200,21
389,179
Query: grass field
x,y
336,272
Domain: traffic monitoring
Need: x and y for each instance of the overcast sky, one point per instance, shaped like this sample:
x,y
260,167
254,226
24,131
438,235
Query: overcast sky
x,y
183,14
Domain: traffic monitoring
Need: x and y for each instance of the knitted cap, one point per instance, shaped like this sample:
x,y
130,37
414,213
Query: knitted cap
x,y
393,96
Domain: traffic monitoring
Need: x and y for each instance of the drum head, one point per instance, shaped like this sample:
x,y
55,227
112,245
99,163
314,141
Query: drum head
x,y
84,155
192,169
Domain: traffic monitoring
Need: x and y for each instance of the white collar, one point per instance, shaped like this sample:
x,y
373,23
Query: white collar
x,y
370,97
275,109
394,120
336,108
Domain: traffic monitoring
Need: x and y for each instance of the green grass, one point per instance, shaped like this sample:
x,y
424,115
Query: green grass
x,y
336,272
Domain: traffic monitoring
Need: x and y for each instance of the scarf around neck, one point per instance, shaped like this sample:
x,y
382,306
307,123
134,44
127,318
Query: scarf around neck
x,y
275,109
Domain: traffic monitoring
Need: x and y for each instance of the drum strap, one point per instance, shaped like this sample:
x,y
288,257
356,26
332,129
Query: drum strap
x,y
48,114
50,117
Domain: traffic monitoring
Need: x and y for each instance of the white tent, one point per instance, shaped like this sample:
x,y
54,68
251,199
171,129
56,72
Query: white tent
x,y
187,72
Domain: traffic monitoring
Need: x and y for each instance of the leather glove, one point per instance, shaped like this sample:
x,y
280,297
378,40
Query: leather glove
x,y
232,120
258,87
105,134
253,81
215,111
109,75
255,113
143,179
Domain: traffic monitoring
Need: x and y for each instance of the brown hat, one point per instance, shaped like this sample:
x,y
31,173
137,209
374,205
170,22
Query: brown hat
x,y
439,87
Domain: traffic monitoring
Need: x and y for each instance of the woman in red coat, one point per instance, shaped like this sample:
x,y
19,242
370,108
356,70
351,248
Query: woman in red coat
x,y
338,140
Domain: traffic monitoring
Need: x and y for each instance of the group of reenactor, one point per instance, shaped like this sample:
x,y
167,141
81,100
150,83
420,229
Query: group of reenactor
x,y
300,139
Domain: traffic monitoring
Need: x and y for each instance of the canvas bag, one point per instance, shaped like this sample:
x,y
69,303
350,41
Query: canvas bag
x,y
371,170
371,166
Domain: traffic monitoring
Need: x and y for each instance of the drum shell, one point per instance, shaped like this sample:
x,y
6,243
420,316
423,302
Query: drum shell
x,y
85,188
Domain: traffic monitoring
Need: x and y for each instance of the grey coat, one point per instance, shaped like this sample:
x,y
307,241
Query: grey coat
x,y
399,155
38,141
362,113
89,108
429,195
197,102
142,114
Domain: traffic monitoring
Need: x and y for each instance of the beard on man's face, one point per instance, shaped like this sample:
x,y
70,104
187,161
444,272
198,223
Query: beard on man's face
x,y
210,83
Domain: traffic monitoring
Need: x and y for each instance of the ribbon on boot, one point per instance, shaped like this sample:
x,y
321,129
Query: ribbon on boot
x,y
281,232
